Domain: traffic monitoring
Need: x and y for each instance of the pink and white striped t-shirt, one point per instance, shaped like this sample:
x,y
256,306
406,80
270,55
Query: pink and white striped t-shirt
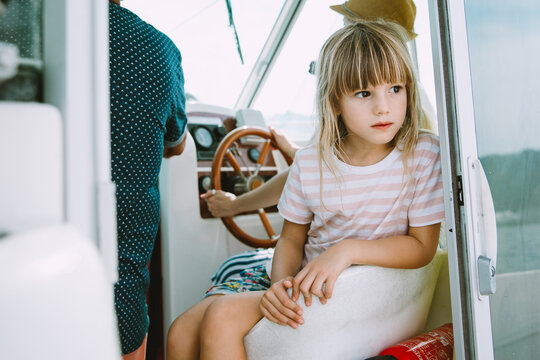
x,y
370,202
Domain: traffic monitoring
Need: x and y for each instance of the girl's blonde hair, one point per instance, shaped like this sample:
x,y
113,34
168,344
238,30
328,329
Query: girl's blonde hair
x,y
363,54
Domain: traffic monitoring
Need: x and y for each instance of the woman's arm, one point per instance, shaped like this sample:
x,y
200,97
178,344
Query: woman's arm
x,y
222,204
414,250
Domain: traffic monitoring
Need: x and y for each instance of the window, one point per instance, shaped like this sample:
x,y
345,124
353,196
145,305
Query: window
x,y
287,98
213,71
504,50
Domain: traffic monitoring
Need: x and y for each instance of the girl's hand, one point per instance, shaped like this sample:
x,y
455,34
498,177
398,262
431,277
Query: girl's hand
x,y
220,203
277,306
319,276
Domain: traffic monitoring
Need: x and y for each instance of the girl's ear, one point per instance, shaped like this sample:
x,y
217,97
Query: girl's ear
x,y
337,110
334,105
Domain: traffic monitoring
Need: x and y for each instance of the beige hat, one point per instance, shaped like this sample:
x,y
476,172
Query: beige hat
x,y
402,12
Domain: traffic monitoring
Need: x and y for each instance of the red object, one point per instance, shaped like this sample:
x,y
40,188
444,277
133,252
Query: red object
x,y
436,344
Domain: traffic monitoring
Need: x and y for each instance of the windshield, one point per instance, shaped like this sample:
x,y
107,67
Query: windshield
x,y
216,76
212,65
288,96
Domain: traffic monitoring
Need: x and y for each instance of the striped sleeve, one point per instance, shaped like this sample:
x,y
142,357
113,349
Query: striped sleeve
x,y
427,206
292,205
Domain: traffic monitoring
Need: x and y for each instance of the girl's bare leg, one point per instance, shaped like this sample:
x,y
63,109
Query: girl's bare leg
x,y
225,323
183,337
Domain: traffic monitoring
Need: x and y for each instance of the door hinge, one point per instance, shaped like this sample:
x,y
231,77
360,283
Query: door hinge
x,y
460,190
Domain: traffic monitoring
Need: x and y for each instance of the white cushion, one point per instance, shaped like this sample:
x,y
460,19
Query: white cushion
x,y
31,163
371,308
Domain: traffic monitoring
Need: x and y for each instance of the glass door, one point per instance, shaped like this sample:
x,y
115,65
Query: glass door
x,y
488,51
504,50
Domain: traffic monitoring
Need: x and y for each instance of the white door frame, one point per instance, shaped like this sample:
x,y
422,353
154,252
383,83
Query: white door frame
x,y
461,175
76,81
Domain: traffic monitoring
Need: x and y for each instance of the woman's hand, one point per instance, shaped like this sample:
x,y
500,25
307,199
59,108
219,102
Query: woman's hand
x,y
319,276
283,142
277,306
220,203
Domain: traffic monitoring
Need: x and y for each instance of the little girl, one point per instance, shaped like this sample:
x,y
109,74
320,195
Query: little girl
x,y
369,192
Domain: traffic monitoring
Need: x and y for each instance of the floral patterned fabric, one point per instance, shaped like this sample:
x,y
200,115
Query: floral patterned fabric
x,y
253,279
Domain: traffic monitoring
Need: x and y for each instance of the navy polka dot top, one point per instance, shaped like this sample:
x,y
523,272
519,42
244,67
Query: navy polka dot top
x,y
147,113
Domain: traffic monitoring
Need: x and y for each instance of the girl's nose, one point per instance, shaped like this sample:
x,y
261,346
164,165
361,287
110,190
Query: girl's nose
x,y
381,105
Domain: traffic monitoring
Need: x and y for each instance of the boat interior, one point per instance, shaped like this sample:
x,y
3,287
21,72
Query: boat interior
x,y
247,67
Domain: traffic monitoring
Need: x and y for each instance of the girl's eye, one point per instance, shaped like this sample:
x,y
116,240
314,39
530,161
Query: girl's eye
x,y
362,94
395,89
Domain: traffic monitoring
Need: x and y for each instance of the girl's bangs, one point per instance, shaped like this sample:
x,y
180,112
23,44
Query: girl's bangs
x,y
374,62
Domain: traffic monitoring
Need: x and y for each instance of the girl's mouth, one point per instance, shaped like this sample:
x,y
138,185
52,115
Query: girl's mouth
x,y
381,126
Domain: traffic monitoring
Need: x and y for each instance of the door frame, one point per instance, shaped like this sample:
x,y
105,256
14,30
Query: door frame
x,y
471,313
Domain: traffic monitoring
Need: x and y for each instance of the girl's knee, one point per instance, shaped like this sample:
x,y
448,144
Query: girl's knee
x,y
231,315
176,336
218,315
189,322
175,330
183,333
182,338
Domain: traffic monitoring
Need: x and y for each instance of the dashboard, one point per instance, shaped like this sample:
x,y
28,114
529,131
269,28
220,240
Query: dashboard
x,y
208,130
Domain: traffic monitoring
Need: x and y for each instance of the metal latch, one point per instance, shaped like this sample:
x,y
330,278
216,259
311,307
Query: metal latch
x,y
486,276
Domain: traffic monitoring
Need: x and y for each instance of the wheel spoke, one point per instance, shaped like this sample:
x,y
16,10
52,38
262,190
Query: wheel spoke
x,y
262,157
232,160
238,154
266,223
263,153
229,152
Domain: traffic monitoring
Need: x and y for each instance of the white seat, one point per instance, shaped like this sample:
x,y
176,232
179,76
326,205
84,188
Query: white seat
x,y
56,301
371,308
